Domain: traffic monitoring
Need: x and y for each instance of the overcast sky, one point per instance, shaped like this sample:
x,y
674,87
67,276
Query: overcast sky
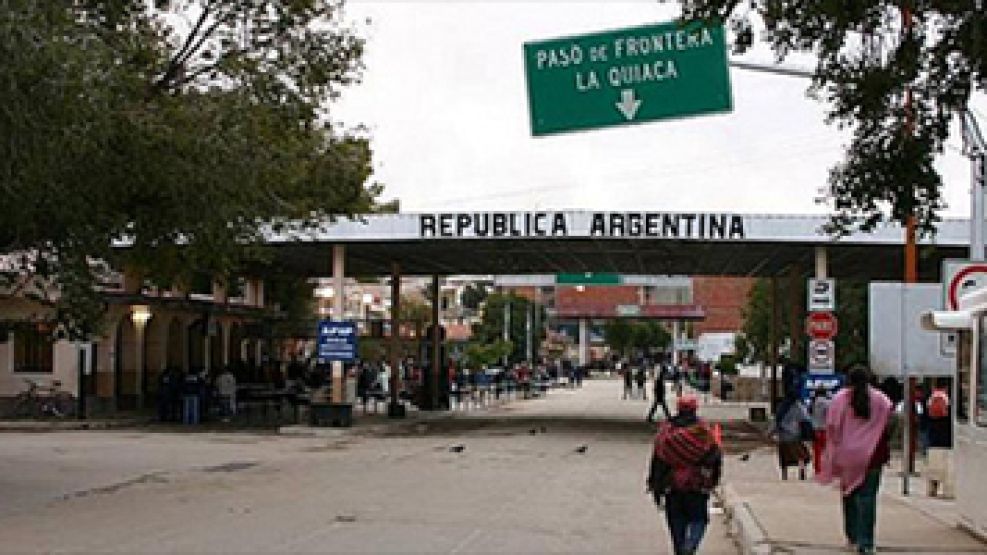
x,y
444,99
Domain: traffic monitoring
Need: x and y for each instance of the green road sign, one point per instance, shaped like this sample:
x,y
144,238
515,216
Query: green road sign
x,y
626,76
588,278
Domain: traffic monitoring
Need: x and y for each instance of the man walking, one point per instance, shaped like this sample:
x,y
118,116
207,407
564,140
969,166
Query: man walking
x,y
659,397
685,467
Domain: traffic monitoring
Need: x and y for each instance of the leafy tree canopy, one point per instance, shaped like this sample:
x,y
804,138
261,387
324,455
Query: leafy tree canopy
x,y
490,330
897,85
185,128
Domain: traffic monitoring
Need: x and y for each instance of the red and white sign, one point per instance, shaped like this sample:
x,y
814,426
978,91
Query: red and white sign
x,y
821,326
959,277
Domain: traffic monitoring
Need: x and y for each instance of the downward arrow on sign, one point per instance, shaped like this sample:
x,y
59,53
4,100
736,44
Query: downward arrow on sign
x,y
628,105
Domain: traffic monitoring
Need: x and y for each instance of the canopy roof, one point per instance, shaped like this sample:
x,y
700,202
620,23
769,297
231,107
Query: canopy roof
x,y
655,243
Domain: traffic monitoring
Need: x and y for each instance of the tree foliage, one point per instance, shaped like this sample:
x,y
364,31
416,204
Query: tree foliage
x,y
754,341
897,85
186,129
624,336
490,329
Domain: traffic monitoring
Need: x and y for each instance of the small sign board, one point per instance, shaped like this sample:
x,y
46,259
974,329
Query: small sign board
x,y
626,76
336,340
628,310
812,381
822,356
822,295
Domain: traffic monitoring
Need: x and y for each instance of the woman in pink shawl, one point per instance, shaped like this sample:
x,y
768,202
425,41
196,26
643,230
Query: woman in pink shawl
x,y
857,430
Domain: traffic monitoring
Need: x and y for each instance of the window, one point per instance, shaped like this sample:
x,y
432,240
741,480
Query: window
x,y
33,349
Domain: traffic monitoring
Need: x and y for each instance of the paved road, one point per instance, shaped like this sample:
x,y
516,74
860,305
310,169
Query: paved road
x,y
518,485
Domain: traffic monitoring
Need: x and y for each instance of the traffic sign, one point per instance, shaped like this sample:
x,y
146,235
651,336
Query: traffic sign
x,y
821,326
959,277
822,355
588,278
626,76
813,381
822,295
336,340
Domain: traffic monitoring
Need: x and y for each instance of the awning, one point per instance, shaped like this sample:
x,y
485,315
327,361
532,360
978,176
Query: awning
x,y
946,320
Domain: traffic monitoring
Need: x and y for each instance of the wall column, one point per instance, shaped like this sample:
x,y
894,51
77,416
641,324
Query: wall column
x,y
338,307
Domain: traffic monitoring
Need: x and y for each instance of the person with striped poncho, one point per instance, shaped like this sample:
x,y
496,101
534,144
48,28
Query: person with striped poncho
x,y
685,467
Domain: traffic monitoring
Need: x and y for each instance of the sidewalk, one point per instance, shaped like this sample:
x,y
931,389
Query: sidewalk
x,y
768,515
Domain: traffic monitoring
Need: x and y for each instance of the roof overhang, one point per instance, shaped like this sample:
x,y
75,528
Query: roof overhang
x,y
646,243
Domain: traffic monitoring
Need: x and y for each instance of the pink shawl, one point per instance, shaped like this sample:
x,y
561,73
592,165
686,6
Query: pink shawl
x,y
850,441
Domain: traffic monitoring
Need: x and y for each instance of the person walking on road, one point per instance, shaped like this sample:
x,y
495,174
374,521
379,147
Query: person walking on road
x,y
659,396
628,382
641,378
817,411
857,432
685,467
790,430
938,471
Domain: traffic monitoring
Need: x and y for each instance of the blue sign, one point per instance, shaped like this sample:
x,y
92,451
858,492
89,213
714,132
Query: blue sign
x,y
811,382
337,340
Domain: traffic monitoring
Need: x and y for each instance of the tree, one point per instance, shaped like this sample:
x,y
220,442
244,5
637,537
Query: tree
x,y
754,342
187,130
619,335
897,85
756,329
473,296
852,310
490,329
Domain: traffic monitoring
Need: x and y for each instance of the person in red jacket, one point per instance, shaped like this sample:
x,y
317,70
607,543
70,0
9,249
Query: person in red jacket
x,y
685,467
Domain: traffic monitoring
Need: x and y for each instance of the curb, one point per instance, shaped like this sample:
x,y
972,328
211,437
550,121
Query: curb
x,y
66,425
747,531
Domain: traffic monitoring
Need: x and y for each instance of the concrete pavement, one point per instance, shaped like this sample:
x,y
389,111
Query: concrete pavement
x,y
769,515
507,479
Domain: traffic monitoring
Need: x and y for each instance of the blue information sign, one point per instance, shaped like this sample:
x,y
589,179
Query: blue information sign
x,y
810,382
337,340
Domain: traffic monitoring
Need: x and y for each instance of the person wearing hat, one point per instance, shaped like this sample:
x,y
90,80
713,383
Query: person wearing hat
x,y
685,467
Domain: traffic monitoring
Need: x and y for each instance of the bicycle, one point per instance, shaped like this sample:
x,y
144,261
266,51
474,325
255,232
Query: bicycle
x,y
40,401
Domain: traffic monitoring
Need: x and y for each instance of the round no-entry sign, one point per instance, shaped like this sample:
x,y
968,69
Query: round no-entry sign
x,y
821,326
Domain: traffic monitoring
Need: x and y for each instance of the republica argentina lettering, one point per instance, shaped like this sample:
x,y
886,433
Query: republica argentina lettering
x,y
597,224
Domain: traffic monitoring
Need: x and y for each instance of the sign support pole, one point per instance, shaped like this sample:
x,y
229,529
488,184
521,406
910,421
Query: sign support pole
x,y
338,306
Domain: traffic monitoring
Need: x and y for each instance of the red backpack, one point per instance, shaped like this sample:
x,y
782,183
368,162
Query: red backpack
x,y
938,404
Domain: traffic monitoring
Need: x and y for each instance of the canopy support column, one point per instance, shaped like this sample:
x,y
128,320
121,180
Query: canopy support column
x,y
338,306
583,342
395,409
